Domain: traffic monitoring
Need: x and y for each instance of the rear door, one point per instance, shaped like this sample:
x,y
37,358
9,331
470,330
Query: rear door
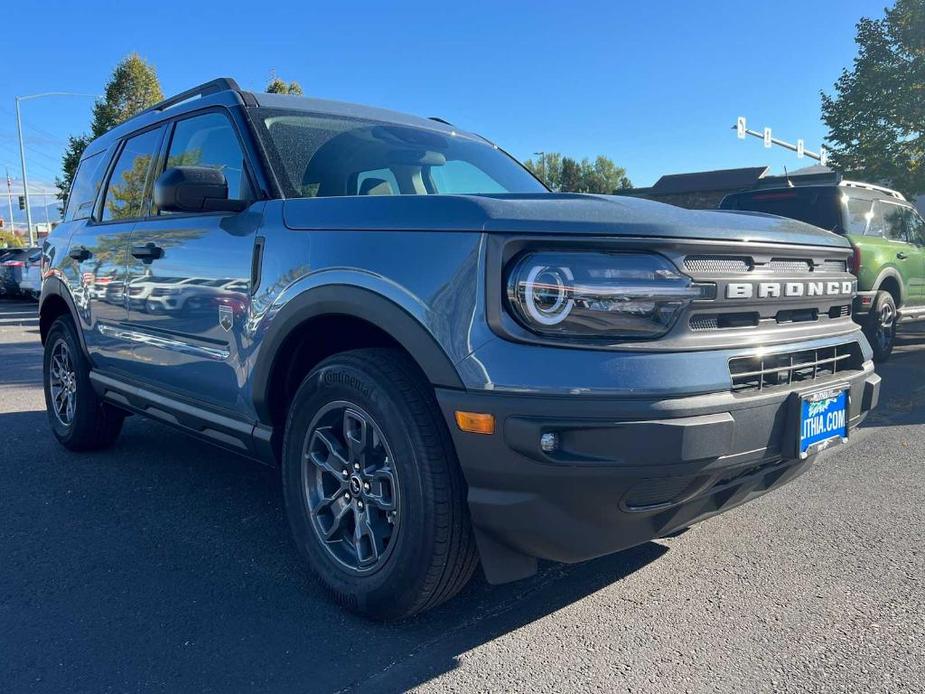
x,y
98,250
189,305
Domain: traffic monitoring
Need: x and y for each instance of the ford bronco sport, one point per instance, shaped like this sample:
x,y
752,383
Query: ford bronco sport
x,y
450,364
887,235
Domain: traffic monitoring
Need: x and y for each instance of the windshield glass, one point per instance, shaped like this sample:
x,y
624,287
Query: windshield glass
x,y
321,156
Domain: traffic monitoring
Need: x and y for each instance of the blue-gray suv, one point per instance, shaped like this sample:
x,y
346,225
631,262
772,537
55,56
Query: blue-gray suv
x,y
449,363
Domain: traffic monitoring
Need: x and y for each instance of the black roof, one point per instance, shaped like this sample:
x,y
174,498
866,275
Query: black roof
x,y
700,181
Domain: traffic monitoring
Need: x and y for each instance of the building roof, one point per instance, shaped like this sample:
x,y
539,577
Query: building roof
x,y
700,181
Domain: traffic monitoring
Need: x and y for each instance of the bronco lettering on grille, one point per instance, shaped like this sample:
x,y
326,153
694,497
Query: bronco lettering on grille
x,y
771,290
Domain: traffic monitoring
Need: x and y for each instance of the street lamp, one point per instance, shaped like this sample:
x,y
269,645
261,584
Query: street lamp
x,y
542,156
22,152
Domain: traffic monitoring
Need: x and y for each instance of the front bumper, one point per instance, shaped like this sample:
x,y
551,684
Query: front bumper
x,y
626,470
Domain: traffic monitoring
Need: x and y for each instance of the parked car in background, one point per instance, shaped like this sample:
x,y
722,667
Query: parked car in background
x,y
887,236
30,283
12,262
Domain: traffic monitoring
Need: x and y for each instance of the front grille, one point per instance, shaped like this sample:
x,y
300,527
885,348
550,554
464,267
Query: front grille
x,y
758,373
790,265
715,264
722,321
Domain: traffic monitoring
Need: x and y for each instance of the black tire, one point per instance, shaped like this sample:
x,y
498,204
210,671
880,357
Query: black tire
x,y
880,327
91,424
429,553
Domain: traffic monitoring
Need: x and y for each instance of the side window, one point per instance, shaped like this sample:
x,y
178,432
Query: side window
x,y
378,182
894,226
126,192
916,228
461,177
858,214
86,185
209,140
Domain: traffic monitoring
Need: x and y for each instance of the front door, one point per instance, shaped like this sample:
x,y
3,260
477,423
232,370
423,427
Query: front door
x,y
915,230
907,256
189,292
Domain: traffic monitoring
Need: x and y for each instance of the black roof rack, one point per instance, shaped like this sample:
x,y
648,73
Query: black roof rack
x,y
441,120
220,84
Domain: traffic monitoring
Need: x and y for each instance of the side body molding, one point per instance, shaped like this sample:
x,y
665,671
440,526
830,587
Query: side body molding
x,y
357,302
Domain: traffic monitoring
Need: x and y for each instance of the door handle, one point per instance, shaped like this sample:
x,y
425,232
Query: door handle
x,y
901,255
79,253
147,252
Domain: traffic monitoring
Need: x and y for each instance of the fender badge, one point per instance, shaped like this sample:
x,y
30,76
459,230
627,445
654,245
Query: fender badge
x,y
225,317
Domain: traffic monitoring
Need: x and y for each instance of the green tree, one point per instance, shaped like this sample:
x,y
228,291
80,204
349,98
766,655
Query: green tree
x,y
876,115
9,240
280,86
566,175
132,87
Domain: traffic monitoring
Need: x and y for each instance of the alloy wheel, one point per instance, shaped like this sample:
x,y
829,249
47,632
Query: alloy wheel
x,y
63,383
350,487
886,326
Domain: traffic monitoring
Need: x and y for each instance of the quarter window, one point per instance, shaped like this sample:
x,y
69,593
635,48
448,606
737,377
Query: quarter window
x,y
209,140
125,195
85,187
859,214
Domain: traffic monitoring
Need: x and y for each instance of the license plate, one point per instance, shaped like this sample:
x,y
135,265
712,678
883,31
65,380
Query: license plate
x,y
823,420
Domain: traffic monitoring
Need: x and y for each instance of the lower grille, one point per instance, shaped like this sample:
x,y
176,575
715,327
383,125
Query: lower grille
x,y
785,369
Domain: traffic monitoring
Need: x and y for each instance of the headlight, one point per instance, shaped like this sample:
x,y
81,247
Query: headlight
x,y
598,295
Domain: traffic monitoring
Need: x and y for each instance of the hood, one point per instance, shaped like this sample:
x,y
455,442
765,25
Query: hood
x,y
547,213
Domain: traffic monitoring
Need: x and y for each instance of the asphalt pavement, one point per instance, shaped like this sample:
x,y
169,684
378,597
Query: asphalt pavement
x,y
165,565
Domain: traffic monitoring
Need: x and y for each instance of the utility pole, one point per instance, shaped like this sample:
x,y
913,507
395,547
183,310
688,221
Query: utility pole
x,y
542,156
25,180
9,199
45,205
22,151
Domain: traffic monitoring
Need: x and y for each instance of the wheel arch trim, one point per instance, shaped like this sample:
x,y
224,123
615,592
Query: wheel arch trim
x,y
55,286
357,302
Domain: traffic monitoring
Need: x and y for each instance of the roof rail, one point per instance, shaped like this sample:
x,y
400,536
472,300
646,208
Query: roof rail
x,y
220,84
441,120
870,186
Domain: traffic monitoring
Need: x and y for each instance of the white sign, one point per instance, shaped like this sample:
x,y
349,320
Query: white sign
x,y
823,156
800,149
767,137
740,127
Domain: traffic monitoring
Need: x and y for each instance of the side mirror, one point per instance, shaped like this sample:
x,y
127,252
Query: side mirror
x,y
194,189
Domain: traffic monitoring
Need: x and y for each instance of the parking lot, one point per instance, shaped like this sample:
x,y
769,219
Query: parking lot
x,y
165,564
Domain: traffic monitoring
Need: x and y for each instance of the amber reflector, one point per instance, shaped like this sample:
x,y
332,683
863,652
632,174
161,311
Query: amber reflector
x,y
475,422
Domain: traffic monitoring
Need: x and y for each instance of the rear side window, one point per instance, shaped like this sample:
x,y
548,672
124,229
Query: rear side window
x,y
127,185
817,206
85,187
858,214
209,140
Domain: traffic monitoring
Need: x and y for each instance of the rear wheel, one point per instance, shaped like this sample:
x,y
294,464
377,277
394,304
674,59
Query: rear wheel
x,y
79,419
881,326
373,491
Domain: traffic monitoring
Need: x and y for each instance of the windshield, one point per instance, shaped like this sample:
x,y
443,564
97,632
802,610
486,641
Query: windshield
x,y
817,206
321,156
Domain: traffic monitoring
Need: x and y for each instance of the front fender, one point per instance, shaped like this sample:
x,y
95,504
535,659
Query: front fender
x,y
402,322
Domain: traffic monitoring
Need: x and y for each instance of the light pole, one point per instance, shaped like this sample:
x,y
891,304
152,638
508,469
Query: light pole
x,y
542,156
9,199
22,152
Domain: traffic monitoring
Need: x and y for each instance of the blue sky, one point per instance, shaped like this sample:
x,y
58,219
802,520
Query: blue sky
x,y
653,85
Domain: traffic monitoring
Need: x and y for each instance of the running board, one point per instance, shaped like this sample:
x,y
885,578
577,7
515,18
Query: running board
x,y
908,315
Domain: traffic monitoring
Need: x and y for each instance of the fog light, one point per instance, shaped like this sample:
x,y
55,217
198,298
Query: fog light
x,y
549,442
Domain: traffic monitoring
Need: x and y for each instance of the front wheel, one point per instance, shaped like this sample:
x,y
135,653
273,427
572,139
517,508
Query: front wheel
x,y
373,490
881,326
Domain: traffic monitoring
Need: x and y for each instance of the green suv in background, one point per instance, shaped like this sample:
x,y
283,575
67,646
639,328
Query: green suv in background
x,y
888,237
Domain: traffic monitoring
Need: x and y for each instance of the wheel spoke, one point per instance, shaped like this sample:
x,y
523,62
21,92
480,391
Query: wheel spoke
x,y
337,518
329,459
382,492
364,541
356,431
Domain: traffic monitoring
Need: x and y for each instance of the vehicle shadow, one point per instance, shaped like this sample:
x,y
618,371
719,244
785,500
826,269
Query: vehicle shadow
x,y
166,563
902,392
